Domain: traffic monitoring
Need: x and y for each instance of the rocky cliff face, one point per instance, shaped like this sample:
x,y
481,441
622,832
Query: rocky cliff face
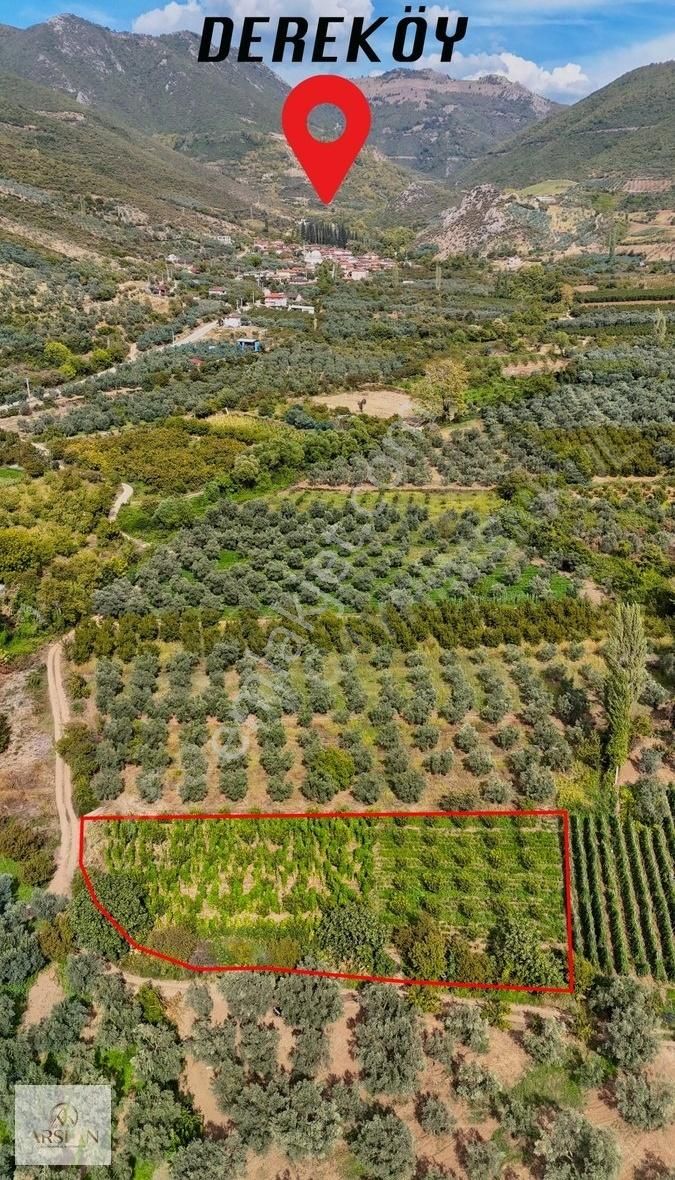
x,y
440,125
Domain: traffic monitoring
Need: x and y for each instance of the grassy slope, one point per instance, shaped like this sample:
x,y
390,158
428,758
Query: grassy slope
x,y
48,141
588,139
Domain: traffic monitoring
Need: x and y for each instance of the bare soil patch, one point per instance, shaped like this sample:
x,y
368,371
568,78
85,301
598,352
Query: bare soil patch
x,y
593,592
43,997
197,1081
646,184
635,1145
527,368
380,403
27,766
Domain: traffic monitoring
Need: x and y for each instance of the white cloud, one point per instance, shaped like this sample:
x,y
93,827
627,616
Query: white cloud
x,y
505,9
605,67
566,83
190,14
172,18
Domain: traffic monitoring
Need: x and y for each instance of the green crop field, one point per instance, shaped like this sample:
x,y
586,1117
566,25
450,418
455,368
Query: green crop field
x,y
255,891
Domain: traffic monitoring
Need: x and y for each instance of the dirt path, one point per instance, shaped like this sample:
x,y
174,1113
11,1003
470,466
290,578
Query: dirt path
x,y
123,497
662,475
170,988
43,997
625,302
304,486
66,859
193,336
517,1016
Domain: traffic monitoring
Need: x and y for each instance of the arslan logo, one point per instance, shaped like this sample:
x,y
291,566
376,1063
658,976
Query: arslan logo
x,y
62,1125
65,1129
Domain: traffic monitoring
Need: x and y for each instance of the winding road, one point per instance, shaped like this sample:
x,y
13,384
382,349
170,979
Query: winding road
x,y
66,857
123,497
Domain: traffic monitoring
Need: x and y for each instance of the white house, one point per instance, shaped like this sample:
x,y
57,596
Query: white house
x,y
312,258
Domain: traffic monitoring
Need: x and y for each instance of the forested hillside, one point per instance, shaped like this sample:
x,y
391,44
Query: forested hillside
x,y
48,142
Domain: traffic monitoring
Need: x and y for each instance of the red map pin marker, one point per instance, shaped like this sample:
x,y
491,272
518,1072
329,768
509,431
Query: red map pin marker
x,y
326,164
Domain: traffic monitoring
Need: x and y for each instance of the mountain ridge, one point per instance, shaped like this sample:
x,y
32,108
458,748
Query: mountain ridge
x,y
443,124
146,80
422,119
624,128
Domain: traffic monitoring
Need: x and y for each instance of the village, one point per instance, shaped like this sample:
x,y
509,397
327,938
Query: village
x,y
278,264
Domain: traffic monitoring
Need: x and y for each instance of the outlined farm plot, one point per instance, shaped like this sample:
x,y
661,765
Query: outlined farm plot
x,y
263,891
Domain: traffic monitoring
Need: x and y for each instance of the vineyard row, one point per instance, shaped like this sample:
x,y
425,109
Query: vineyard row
x,y
624,895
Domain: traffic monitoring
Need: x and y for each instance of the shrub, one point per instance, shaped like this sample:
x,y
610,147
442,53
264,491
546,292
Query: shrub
x,y
650,801
570,1146
466,739
644,1102
484,1160
507,736
433,1115
478,761
383,1147
543,1040
495,790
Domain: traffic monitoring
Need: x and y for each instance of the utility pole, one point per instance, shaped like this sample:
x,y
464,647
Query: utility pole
x,y
437,283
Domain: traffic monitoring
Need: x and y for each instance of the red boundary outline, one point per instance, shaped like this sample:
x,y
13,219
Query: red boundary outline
x,y
559,813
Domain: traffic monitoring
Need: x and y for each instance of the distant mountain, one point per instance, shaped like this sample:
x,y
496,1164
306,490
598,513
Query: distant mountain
x,y
153,83
75,176
439,125
625,129
154,92
422,119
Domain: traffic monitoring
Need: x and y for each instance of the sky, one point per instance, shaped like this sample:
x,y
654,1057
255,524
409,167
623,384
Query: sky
x,y
562,49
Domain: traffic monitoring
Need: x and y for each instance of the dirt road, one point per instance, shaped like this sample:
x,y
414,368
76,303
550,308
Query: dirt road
x,y
123,497
192,337
66,859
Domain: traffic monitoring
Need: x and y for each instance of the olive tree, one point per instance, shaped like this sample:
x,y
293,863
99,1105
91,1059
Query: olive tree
x,y
644,1102
209,1159
383,1146
248,996
571,1148
308,1124
387,1042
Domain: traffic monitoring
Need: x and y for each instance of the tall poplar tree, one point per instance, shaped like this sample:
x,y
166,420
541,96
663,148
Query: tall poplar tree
x,y
626,659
